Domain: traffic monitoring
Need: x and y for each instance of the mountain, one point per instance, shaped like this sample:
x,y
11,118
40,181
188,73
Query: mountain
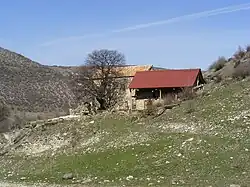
x,y
32,87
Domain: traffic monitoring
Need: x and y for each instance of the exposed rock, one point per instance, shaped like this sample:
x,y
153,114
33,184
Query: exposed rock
x,y
234,185
16,139
130,177
68,176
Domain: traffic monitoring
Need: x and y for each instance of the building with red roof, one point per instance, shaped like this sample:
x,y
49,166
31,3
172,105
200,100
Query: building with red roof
x,y
155,84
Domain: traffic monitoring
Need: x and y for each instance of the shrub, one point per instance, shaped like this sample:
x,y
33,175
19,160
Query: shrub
x,y
150,108
237,63
9,119
5,122
218,78
158,104
218,64
6,125
190,108
168,99
248,48
240,53
4,110
17,122
242,71
187,94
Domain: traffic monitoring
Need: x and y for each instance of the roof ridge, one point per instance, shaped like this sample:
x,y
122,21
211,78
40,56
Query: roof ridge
x,y
183,69
163,70
135,65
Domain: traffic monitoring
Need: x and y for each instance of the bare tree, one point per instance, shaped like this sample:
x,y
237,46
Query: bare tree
x,y
100,77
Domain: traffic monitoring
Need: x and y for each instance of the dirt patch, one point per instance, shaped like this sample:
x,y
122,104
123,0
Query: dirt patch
x,y
179,127
38,147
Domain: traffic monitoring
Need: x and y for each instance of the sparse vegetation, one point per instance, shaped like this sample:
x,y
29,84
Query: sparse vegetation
x,y
4,110
168,99
237,62
8,119
187,94
218,79
242,70
151,108
190,107
240,53
32,87
4,115
236,67
218,64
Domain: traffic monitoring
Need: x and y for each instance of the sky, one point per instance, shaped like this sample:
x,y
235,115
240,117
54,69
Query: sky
x,y
164,33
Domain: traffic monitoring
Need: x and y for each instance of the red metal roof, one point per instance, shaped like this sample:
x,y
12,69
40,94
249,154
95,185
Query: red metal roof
x,y
173,78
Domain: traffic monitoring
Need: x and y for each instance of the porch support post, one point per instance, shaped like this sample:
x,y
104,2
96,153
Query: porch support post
x,y
130,101
160,94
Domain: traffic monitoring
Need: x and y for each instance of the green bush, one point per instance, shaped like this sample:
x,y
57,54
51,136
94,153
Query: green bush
x,y
218,64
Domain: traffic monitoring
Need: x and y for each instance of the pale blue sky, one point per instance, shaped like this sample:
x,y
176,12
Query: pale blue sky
x,y
62,32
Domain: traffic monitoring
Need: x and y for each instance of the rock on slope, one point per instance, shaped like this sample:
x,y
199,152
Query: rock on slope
x,y
31,86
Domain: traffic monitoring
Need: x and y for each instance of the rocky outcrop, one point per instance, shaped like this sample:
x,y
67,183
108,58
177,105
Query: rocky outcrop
x,y
12,140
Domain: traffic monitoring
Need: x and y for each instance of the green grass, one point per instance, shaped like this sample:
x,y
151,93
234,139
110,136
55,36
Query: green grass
x,y
203,161
216,154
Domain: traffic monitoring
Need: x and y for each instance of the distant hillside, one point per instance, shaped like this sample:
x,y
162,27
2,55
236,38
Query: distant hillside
x,y
65,70
237,67
31,86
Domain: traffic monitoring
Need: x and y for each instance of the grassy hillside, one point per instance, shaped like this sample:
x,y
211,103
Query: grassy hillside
x,y
204,142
